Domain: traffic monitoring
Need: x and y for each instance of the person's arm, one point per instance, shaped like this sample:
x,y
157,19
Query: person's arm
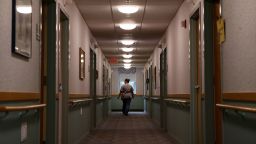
x,y
121,92
132,92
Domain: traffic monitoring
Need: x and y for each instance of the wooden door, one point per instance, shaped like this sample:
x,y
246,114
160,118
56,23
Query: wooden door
x,y
196,81
163,86
93,86
63,76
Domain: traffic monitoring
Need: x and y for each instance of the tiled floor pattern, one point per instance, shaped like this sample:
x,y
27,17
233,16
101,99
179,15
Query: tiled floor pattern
x,y
136,128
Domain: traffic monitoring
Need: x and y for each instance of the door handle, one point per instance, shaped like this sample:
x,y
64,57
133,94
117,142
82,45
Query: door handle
x,y
60,87
197,86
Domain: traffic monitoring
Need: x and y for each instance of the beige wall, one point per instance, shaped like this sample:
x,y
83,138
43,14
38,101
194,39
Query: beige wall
x,y
101,60
81,37
114,81
139,81
154,60
238,51
156,63
176,39
17,74
178,53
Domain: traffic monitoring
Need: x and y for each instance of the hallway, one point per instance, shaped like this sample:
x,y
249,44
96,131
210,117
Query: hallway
x,y
190,66
137,128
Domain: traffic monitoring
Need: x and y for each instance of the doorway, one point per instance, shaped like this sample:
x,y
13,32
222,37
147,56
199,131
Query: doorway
x,y
63,78
93,87
150,90
163,86
196,79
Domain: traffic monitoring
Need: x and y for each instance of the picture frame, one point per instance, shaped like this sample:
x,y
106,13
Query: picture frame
x,y
22,27
155,77
81,64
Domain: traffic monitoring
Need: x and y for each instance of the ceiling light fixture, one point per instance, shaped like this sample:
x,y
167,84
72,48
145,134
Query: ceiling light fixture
x,y
128,26
127,60
128,9
125,49
127,56
127,65
25,9
127,42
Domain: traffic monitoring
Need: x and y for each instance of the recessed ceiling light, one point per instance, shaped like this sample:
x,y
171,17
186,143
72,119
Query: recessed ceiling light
x,y
127,42
127,65
125,49
127,60
128,26
128,9
127,56
24,9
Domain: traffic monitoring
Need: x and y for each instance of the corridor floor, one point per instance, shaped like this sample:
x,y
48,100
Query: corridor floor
x,y
136,128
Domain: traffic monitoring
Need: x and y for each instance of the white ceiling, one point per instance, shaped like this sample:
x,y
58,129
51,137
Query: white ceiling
x,y
103,18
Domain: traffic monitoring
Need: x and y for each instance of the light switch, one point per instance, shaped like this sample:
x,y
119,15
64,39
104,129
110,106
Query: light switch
x,y
24,131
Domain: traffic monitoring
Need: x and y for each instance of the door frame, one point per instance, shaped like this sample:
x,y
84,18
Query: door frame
x,y
42,67
49,34
150,89
63,75
196,77
217,75
163,87
212,131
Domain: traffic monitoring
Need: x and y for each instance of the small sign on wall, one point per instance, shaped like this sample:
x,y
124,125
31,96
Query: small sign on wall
x,y
221,30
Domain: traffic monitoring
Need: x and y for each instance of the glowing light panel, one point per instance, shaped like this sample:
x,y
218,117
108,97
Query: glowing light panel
x,y
125,49
127,42
24,9
127,56
128,9
128,26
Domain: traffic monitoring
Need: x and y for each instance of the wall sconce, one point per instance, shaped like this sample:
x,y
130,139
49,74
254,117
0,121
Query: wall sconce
x,y
81,64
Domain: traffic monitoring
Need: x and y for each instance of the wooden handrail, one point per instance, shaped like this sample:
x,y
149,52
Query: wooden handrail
x,y
237,107
101,98
76,101
21,108
155,98
180,101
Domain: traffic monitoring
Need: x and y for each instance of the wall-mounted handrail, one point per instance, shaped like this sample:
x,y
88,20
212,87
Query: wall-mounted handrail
x,y
183,102
237,107
21,108
78,101
101,98
155,98
178,100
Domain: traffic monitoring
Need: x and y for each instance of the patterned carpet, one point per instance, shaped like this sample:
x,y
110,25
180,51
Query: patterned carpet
x,y
136,128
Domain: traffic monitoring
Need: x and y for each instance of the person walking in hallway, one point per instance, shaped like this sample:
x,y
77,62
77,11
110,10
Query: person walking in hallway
x,y
126,94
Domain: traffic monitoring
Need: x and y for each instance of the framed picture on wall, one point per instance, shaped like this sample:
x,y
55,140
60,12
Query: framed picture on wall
x,y
81,64
22,27
155,77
